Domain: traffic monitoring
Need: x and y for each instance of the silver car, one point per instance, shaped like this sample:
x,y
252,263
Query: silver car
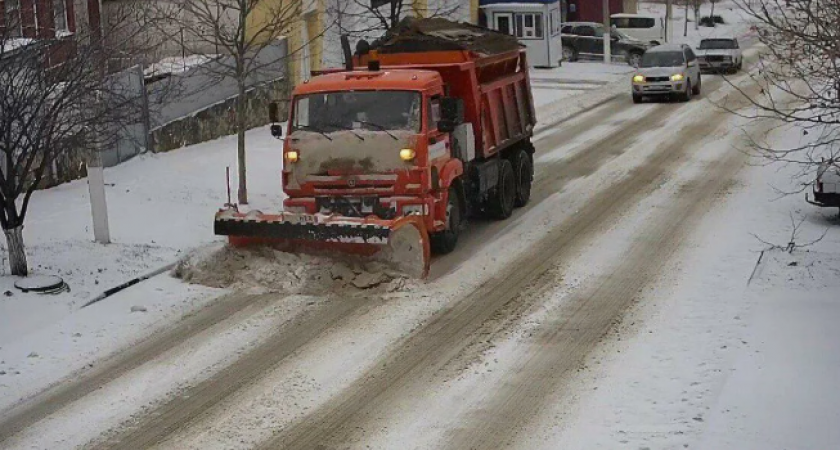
x,y
667,71
720,54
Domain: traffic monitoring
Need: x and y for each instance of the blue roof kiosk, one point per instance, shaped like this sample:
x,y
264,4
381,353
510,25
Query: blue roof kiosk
x,y
536,23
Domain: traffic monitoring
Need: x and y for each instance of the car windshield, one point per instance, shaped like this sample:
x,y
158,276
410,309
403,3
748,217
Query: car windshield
x,y
370,110
662,59
717,44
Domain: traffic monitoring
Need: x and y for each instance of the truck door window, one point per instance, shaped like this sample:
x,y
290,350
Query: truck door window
x,y
433,113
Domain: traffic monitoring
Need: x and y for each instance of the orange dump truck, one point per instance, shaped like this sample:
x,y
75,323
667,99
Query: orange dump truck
x,y
430,125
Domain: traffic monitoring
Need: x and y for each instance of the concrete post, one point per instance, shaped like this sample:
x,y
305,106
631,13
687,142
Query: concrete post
x,y
607,41
98,205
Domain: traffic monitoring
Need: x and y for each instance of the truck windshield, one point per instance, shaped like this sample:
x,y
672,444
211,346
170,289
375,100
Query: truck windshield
x,y
717,44
354,110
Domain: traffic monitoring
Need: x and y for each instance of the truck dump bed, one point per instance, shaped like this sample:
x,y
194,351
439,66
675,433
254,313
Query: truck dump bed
x,y
485,68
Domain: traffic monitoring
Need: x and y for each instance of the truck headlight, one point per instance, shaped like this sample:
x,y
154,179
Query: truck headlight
x,y
677,77
292,156
407,154
639,79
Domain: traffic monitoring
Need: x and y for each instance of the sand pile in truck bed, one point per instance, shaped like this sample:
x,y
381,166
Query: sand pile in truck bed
x,y
421,35
270,270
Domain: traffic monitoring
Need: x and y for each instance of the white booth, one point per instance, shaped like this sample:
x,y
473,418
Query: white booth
x,y
536,23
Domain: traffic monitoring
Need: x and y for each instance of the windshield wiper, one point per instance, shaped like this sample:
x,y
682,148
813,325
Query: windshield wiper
x,y
315,129
376,125
344,127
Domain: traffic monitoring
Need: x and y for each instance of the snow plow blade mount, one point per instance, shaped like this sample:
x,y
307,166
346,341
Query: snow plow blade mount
x,y
402,243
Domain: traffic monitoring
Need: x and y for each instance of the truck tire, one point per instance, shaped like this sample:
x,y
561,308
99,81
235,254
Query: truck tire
x,y
445,241
523,169
501,201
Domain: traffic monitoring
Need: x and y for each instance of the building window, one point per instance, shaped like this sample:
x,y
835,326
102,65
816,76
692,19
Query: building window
x,y
529,25
60,13
12,16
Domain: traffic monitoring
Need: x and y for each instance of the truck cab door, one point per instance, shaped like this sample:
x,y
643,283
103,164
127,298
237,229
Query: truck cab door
x,y
438,140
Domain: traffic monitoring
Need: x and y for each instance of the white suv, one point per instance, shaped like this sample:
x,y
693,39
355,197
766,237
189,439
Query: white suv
x,y
639,26
667,70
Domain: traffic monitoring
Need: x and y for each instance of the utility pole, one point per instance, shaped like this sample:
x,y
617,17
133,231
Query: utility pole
x,y
607,39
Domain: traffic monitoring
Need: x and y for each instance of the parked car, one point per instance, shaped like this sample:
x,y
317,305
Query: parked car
x,y
827,185
720,54
587,39
641,27
667,70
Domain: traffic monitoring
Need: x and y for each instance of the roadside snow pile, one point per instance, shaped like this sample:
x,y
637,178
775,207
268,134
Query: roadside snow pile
x,y
267,269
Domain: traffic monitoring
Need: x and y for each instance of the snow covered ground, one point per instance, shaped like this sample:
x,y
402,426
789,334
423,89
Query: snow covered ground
x,y
160,207
719,352
709,359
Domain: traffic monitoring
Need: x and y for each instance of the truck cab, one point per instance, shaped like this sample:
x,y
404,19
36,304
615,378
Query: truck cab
x,y
366,142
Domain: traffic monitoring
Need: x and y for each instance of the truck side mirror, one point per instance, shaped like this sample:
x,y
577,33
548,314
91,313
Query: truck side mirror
x,y
451,114
274,118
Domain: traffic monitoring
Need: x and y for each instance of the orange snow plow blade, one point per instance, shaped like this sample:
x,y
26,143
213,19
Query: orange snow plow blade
x,y
402,243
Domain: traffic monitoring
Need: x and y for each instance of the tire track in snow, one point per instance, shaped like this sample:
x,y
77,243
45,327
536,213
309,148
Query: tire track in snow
x,y
588,315
64,393
178,412
446,335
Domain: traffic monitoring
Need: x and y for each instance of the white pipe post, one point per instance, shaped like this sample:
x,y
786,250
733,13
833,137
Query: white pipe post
x,y
98,205
607,41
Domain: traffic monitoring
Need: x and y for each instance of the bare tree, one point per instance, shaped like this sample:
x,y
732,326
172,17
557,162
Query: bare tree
x,y
55,99
239,31
801,71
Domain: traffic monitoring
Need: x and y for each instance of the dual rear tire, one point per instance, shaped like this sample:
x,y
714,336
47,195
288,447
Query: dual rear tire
x,y
513,189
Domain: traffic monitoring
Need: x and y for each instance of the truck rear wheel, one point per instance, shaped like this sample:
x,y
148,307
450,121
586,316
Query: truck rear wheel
x,y
501,201
445,241
524,170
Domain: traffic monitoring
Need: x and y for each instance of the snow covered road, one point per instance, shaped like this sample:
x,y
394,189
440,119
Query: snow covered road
x,y
478,357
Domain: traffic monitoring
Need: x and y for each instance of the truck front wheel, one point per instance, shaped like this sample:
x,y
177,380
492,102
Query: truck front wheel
x,y
524,170
445,241
502,199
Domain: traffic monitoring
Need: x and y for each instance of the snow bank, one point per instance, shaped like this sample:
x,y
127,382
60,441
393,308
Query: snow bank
x,y
269,270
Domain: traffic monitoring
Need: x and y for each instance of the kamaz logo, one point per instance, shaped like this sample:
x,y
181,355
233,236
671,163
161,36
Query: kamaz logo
x,y
351,182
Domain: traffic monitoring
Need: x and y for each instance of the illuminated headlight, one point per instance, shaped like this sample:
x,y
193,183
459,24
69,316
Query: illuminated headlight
x,y
639,79
407,154
295,209
677,77
413,209
292,156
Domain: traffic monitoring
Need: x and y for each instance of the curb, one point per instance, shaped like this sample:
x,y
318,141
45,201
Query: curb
x,y
128,284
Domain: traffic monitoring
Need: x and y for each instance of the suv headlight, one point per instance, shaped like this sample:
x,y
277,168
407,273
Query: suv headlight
x,y
677,77
639,79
